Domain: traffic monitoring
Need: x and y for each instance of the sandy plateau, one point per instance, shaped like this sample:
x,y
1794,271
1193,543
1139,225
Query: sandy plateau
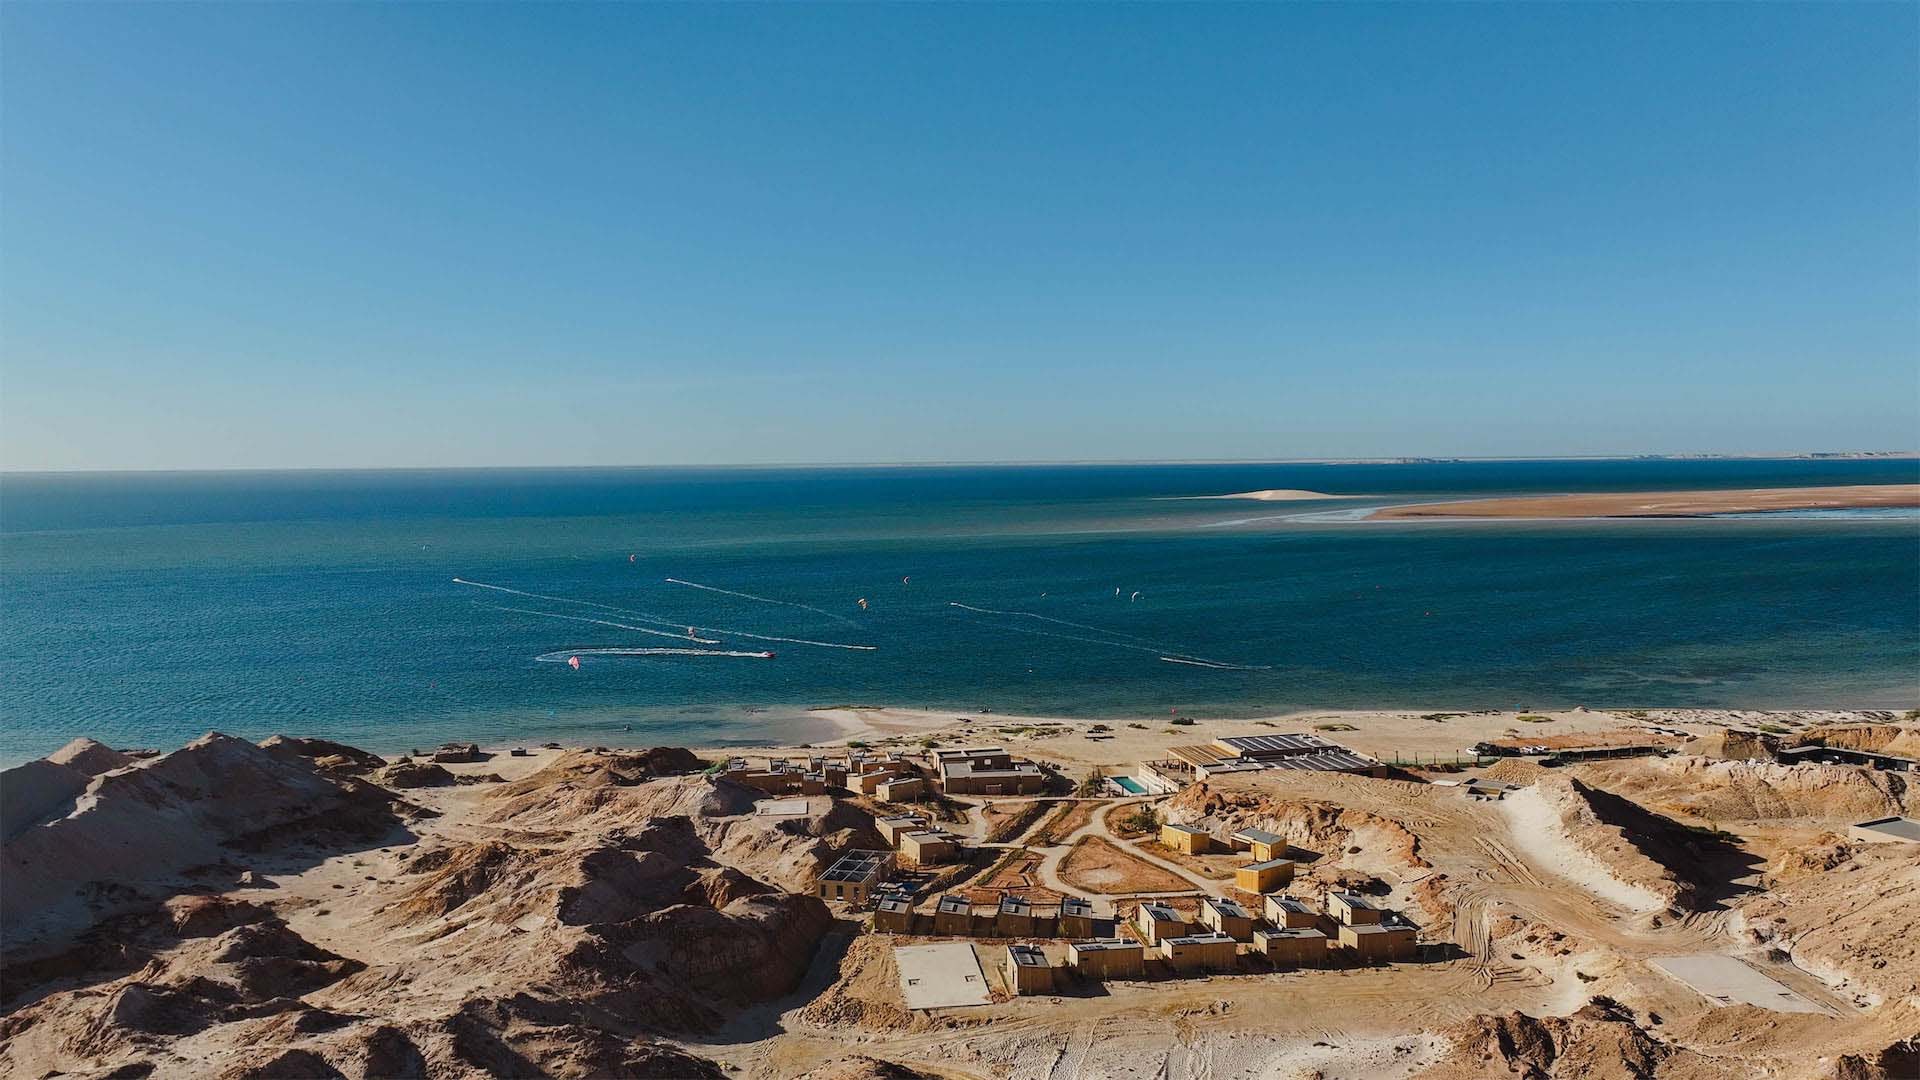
x,y
297,908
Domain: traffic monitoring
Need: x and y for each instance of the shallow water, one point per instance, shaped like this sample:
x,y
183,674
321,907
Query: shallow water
x,y
146,609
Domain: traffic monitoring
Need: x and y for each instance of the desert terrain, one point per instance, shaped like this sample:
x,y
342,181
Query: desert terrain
x,y
1665,503
299,908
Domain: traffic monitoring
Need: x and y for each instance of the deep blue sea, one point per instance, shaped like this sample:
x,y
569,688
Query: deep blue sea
x,y
145,609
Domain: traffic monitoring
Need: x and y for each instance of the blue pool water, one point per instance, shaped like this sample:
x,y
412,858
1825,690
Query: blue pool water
x,y
1129,785
146,609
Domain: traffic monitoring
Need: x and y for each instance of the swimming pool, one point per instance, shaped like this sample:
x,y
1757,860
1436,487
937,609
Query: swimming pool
x,y
1129,785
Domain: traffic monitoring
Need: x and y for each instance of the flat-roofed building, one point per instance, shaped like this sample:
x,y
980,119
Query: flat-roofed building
x,y
900,789
1263,877
1186,838
893,914
869,783
1158,921
1887,830
1378,943
1352,909
1076,917
1028,971
854,877
986,770
1226,917
1261,844
890,828
1339,761
928,848
1015,917
1269,747
953,915
1201,952
1289,914
1111,958
1292,947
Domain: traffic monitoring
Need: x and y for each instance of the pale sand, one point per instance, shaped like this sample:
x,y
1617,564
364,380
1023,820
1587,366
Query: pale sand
x,y
1665,503
1280,495
1540,835
1071,742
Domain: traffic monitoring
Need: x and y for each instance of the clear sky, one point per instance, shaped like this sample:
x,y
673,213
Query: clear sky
x,y
330,235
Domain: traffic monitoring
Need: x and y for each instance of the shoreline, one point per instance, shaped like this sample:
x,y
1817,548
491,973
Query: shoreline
x,y
1125,740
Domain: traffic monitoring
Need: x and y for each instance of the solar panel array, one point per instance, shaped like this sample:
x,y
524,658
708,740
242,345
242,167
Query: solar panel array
x,y
857,866
1269,745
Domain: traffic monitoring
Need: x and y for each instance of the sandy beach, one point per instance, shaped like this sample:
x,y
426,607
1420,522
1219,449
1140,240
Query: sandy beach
x,y
1628,504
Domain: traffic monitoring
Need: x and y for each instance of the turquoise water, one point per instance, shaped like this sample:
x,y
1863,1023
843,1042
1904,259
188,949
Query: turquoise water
x,y
145,609
1129,785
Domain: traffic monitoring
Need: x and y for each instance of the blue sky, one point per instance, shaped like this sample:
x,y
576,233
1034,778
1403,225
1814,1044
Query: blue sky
x,y
331,235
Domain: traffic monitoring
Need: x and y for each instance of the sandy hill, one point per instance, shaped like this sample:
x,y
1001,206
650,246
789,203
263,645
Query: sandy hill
x,y
556,926
131,834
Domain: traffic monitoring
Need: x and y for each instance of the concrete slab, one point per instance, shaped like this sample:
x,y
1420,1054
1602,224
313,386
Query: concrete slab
x,y
780,808
1724,980
940,976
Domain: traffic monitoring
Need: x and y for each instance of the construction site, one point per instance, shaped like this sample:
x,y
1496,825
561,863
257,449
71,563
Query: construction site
x,y
1722,909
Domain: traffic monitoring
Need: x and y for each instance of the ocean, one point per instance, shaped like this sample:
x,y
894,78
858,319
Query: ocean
x,y
146,609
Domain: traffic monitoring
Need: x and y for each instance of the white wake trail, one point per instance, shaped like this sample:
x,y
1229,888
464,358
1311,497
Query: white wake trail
x,y
563,657
761,599
1060,622
658,621
606,622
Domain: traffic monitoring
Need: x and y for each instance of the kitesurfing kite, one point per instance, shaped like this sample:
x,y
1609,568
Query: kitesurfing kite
x,y
573,662
862,602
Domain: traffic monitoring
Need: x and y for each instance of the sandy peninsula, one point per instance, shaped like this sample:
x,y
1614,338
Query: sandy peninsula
x,y
1631,504
1280,495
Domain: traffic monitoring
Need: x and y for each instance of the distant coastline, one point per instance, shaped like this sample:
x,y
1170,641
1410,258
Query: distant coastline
x,y
1658,504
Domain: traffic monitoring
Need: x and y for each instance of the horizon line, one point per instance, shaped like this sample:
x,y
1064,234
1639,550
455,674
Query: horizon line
x,y
1385,459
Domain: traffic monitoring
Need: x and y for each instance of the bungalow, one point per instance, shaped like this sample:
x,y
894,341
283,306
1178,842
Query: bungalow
x,y
893,914
1289,914
1225,917
1352,909
1158,921
1112,958
1076,917
853,877
1263,877
1028,971
953,915
1378,943
890,828
900,789
1186,839
1295,947
1015,917
1201,952
926,848
1261,844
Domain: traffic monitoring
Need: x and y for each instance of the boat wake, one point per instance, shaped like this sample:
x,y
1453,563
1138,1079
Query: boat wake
x,y
570,654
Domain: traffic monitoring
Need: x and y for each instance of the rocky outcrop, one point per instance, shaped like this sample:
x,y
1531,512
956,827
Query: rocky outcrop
x,y
133,832
413,774
1601,1041
325,755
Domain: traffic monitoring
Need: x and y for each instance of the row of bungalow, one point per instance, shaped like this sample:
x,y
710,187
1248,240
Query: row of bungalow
x,y
1013,917
893,777
1294,929
1270,870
